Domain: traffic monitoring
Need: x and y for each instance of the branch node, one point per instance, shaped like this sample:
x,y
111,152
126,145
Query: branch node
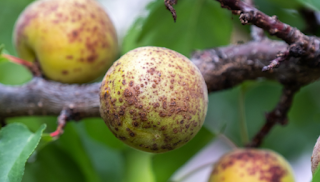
x,y
246,17
65,116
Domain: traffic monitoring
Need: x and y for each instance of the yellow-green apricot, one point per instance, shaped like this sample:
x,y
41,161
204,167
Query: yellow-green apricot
x,y
153,99
252,165
74,41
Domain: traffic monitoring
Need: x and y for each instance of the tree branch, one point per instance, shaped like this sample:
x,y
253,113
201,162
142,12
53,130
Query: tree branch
x,y
300,45
226,67
42,97
221,68
277,116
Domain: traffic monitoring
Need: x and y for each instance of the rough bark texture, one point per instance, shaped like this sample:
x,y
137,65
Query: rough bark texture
x,y
228,66
42,97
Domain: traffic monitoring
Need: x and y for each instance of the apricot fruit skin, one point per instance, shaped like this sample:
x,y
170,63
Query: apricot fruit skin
x,y
252,165
153,99
74,41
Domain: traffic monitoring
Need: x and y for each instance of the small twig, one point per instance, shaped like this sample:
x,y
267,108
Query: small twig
x,y
276,62
277,116
169,4
33,67
300,45
65,116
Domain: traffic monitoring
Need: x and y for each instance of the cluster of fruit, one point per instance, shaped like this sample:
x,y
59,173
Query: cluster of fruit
x,y
153,99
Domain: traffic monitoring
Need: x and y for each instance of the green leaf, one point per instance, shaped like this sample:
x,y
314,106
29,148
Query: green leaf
x,y
1,48
75,157
64,154
200,24
16,145
3,51
312,4
108,163
45,140
164,165
316,175
9,13
98,130
289,4
54,164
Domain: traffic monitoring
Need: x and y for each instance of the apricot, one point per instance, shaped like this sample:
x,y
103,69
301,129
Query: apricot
x,y
252,165
153,99
74,41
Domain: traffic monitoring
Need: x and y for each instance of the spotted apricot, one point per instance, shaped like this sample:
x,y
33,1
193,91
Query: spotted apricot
x,y
153,99
74,41
252,165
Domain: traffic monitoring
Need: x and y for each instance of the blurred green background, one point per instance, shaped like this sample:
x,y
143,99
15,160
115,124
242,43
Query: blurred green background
x,y
88,152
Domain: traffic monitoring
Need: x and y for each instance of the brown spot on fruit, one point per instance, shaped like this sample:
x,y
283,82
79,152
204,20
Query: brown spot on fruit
x,y
127,93
92,58
69,57
162,114
64,72
135,124
164,105
175,130
156,104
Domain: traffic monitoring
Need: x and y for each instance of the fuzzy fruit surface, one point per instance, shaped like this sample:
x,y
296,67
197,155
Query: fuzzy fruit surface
x,y
74,41
153,99
252,165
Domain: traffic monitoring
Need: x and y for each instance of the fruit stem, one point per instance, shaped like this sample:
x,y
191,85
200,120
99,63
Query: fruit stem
x,y
29,65
63,118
